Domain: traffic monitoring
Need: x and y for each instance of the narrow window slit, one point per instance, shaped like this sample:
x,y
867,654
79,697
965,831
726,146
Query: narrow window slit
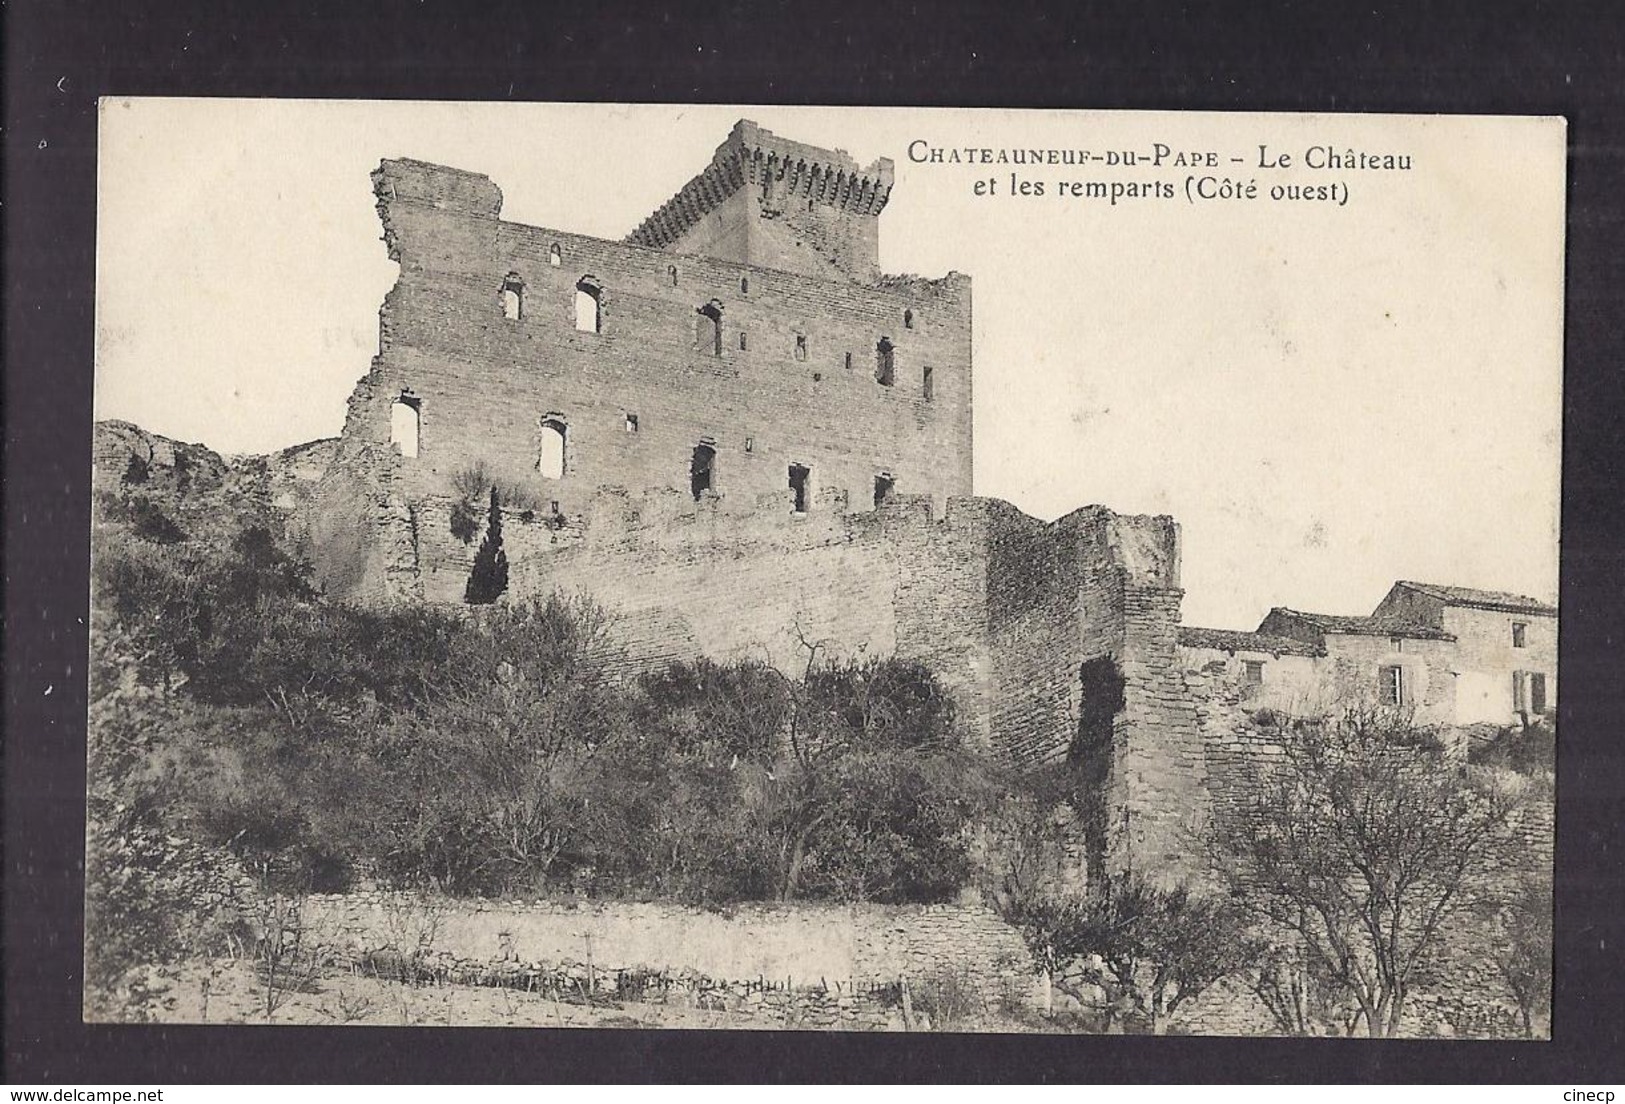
x,y
884,485
800,478
702,470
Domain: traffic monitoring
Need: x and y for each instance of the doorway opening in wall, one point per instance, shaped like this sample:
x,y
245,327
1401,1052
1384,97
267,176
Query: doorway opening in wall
x,y
884,485
1528,693
800,480
550,455
405,422
702,470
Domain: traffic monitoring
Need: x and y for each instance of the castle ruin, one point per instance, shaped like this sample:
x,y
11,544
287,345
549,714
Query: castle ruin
x,y
735,432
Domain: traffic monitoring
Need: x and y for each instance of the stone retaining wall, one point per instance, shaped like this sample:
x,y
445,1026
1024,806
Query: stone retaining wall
x,y
815,964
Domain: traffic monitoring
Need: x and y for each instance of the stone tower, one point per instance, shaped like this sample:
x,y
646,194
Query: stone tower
x,y
769,202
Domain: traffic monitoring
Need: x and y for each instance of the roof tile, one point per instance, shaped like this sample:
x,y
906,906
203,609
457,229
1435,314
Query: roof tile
x,y
1482,599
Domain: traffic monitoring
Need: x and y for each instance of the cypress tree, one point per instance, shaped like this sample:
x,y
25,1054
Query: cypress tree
x,y
490,575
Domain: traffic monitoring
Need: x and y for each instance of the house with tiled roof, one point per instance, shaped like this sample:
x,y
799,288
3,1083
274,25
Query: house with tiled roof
x,y
1313,628
1409,599
1454,655
1277,672
1382,659
1506,647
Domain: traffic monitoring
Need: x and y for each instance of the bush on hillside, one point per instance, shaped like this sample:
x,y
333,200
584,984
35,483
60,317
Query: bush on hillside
x,y
490,750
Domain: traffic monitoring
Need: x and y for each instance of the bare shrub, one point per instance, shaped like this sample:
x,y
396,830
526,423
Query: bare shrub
x,y
348,1006
1151,949
286,959
411,926
474,483
949,998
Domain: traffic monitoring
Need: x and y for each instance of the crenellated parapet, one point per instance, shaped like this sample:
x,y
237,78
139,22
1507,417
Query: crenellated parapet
x,y
755,177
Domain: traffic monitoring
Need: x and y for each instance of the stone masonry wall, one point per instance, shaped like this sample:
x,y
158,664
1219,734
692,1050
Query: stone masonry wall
x,y
485,383
1035,634
1161,779
1001,606
1094,585
835,949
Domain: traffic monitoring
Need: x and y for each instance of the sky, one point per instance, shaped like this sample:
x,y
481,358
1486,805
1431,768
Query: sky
x,y
1328,397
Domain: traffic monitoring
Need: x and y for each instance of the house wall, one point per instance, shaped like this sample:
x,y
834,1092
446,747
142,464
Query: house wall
x,y
1486,660
1354,662
1292,684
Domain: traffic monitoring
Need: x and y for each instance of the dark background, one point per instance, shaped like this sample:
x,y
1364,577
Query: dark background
x,y
1463,59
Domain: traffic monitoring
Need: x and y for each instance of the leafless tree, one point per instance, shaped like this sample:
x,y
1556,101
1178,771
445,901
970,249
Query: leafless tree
x,y
1359,844
1523,955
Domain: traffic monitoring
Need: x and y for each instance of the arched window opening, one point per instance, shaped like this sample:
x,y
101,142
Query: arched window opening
x,y
554,257
908,320
708,328
589,297
800,486
801,347
885,363
744,285
884,485
702,470
405,422
550,456
743,343
671,270
928,384
513,297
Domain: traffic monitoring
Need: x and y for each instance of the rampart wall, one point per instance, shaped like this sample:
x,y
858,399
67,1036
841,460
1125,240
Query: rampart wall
x,y
1003,607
